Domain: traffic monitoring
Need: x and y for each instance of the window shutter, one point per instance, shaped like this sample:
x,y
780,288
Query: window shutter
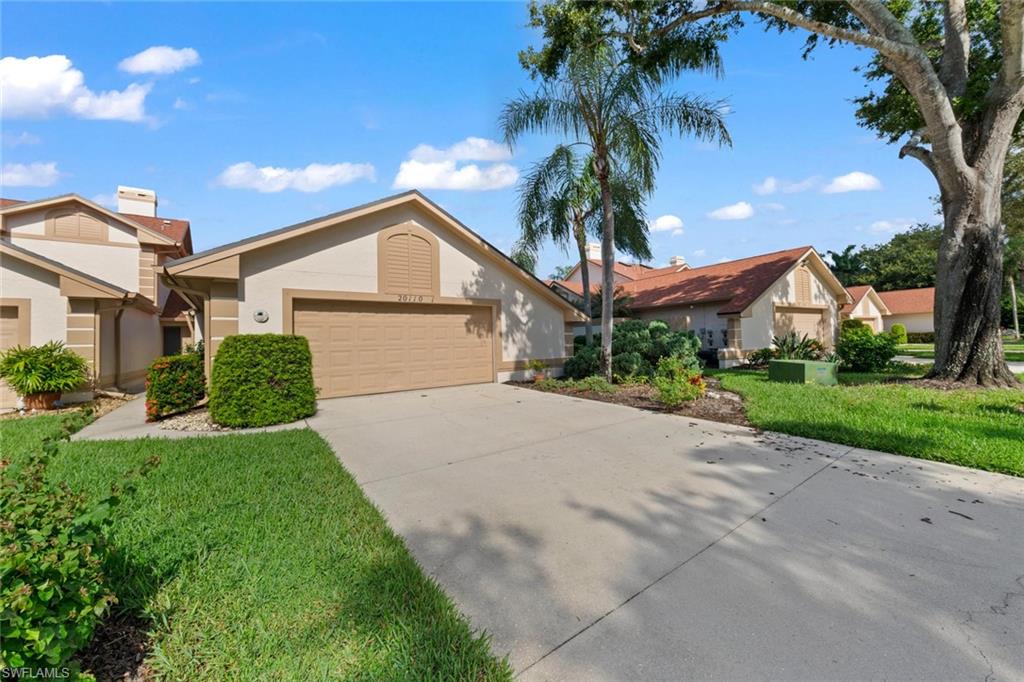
x,y
409,264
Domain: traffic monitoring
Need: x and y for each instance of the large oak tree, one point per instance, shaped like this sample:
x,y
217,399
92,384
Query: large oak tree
x,y
951,77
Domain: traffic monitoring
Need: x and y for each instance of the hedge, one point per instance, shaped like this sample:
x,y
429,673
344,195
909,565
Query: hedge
x,y
262,379
920,337
174,383
637,346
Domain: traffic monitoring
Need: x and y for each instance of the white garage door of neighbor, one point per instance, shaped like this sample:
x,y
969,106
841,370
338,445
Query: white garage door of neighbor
x,y
370,347
801,322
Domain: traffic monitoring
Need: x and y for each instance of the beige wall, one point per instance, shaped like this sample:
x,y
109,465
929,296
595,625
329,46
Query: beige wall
x,y
758,328
115,264
345,259
915,322
595,275
19,279
141,343
869,313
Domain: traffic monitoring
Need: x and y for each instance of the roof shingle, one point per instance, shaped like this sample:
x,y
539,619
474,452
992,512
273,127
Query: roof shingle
x,y
909,301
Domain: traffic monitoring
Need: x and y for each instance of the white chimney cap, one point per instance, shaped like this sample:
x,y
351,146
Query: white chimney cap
x,y
678,261
136,201
593,251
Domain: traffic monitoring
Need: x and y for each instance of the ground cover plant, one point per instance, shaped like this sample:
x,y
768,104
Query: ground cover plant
x,y
258,557
970,427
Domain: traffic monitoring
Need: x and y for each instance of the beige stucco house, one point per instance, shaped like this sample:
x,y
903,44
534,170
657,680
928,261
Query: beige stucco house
x,y
74,271
867,306
392,295
737,306
913,308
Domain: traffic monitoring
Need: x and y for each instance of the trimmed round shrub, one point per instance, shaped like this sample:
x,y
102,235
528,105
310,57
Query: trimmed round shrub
x,y
853,324
899,333
584,363
174,383
630,364
262,379
861,350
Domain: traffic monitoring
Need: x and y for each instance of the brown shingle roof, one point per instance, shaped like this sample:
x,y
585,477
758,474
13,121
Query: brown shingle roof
x,y
174,306
856,293
909,301
178,230
738,283
9,202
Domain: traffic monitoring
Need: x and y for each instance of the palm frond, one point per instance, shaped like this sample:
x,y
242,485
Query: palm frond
x,y
702,118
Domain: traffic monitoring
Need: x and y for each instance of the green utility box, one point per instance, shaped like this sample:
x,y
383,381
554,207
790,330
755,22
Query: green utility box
x,y
803,372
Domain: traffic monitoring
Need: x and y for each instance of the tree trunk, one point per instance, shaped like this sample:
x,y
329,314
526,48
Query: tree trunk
x,y
581,244
607,266
1013,307
968,346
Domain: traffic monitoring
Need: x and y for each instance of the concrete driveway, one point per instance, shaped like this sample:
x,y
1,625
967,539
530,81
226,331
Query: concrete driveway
x,y
600,542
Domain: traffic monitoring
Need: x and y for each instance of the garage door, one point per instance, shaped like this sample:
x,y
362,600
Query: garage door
x,y
363,348
800,321
8,339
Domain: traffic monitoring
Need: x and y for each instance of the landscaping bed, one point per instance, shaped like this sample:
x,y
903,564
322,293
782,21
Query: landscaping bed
x,y
256,557
715,405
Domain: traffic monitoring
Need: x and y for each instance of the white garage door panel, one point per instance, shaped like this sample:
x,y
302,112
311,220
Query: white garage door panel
x,y
361,348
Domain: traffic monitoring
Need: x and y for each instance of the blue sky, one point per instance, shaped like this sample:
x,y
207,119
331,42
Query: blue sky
x,y
380,96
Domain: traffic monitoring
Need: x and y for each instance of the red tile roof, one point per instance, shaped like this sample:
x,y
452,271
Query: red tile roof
x,y
628,270
178,230
738,283
909,301
856,293
10,202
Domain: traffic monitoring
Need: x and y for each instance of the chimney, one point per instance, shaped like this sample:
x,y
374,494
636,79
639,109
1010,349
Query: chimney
x,y
594,251
136,201
677,262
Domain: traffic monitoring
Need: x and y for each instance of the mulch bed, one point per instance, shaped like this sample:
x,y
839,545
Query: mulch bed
x,y
118,651
716,405
100,406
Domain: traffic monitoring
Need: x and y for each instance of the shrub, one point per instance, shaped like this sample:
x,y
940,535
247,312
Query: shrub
x,y
899,333
760,357
852,325
860,350
676,383
550,384
53,551
794,347
262,379
584,363
920,337
594,383
174,383
49,368
630,364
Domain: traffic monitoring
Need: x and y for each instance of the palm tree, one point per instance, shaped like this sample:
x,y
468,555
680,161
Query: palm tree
x,y
559,199
619,109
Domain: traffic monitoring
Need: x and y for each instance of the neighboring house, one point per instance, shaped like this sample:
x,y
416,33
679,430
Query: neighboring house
x,y
913,308
738,306
392,295
74,271
867,306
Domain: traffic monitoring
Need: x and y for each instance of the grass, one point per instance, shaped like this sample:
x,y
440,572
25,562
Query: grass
x,y
1013,352
259,557
974,428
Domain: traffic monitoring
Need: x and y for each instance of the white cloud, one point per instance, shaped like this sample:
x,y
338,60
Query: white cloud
x,y
36,87
447,175
700,253
772,184
16,140
676,233
37,174
431,168
160,59
313,178
741,210
181,104
667,222
856,181
773,206
889,226
470,149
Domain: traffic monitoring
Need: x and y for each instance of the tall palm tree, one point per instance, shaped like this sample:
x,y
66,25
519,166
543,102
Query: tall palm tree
x,y
619,109
559,199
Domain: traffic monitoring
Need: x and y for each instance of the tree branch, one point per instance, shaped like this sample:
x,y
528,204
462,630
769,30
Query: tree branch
x,y
1005,98
921,154
957,47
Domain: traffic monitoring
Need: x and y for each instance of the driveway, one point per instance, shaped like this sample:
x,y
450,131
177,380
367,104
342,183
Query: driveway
x,y
599,542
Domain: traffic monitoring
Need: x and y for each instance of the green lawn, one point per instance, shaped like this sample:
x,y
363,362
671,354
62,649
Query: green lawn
x,y
1014,352
259,557
974,428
